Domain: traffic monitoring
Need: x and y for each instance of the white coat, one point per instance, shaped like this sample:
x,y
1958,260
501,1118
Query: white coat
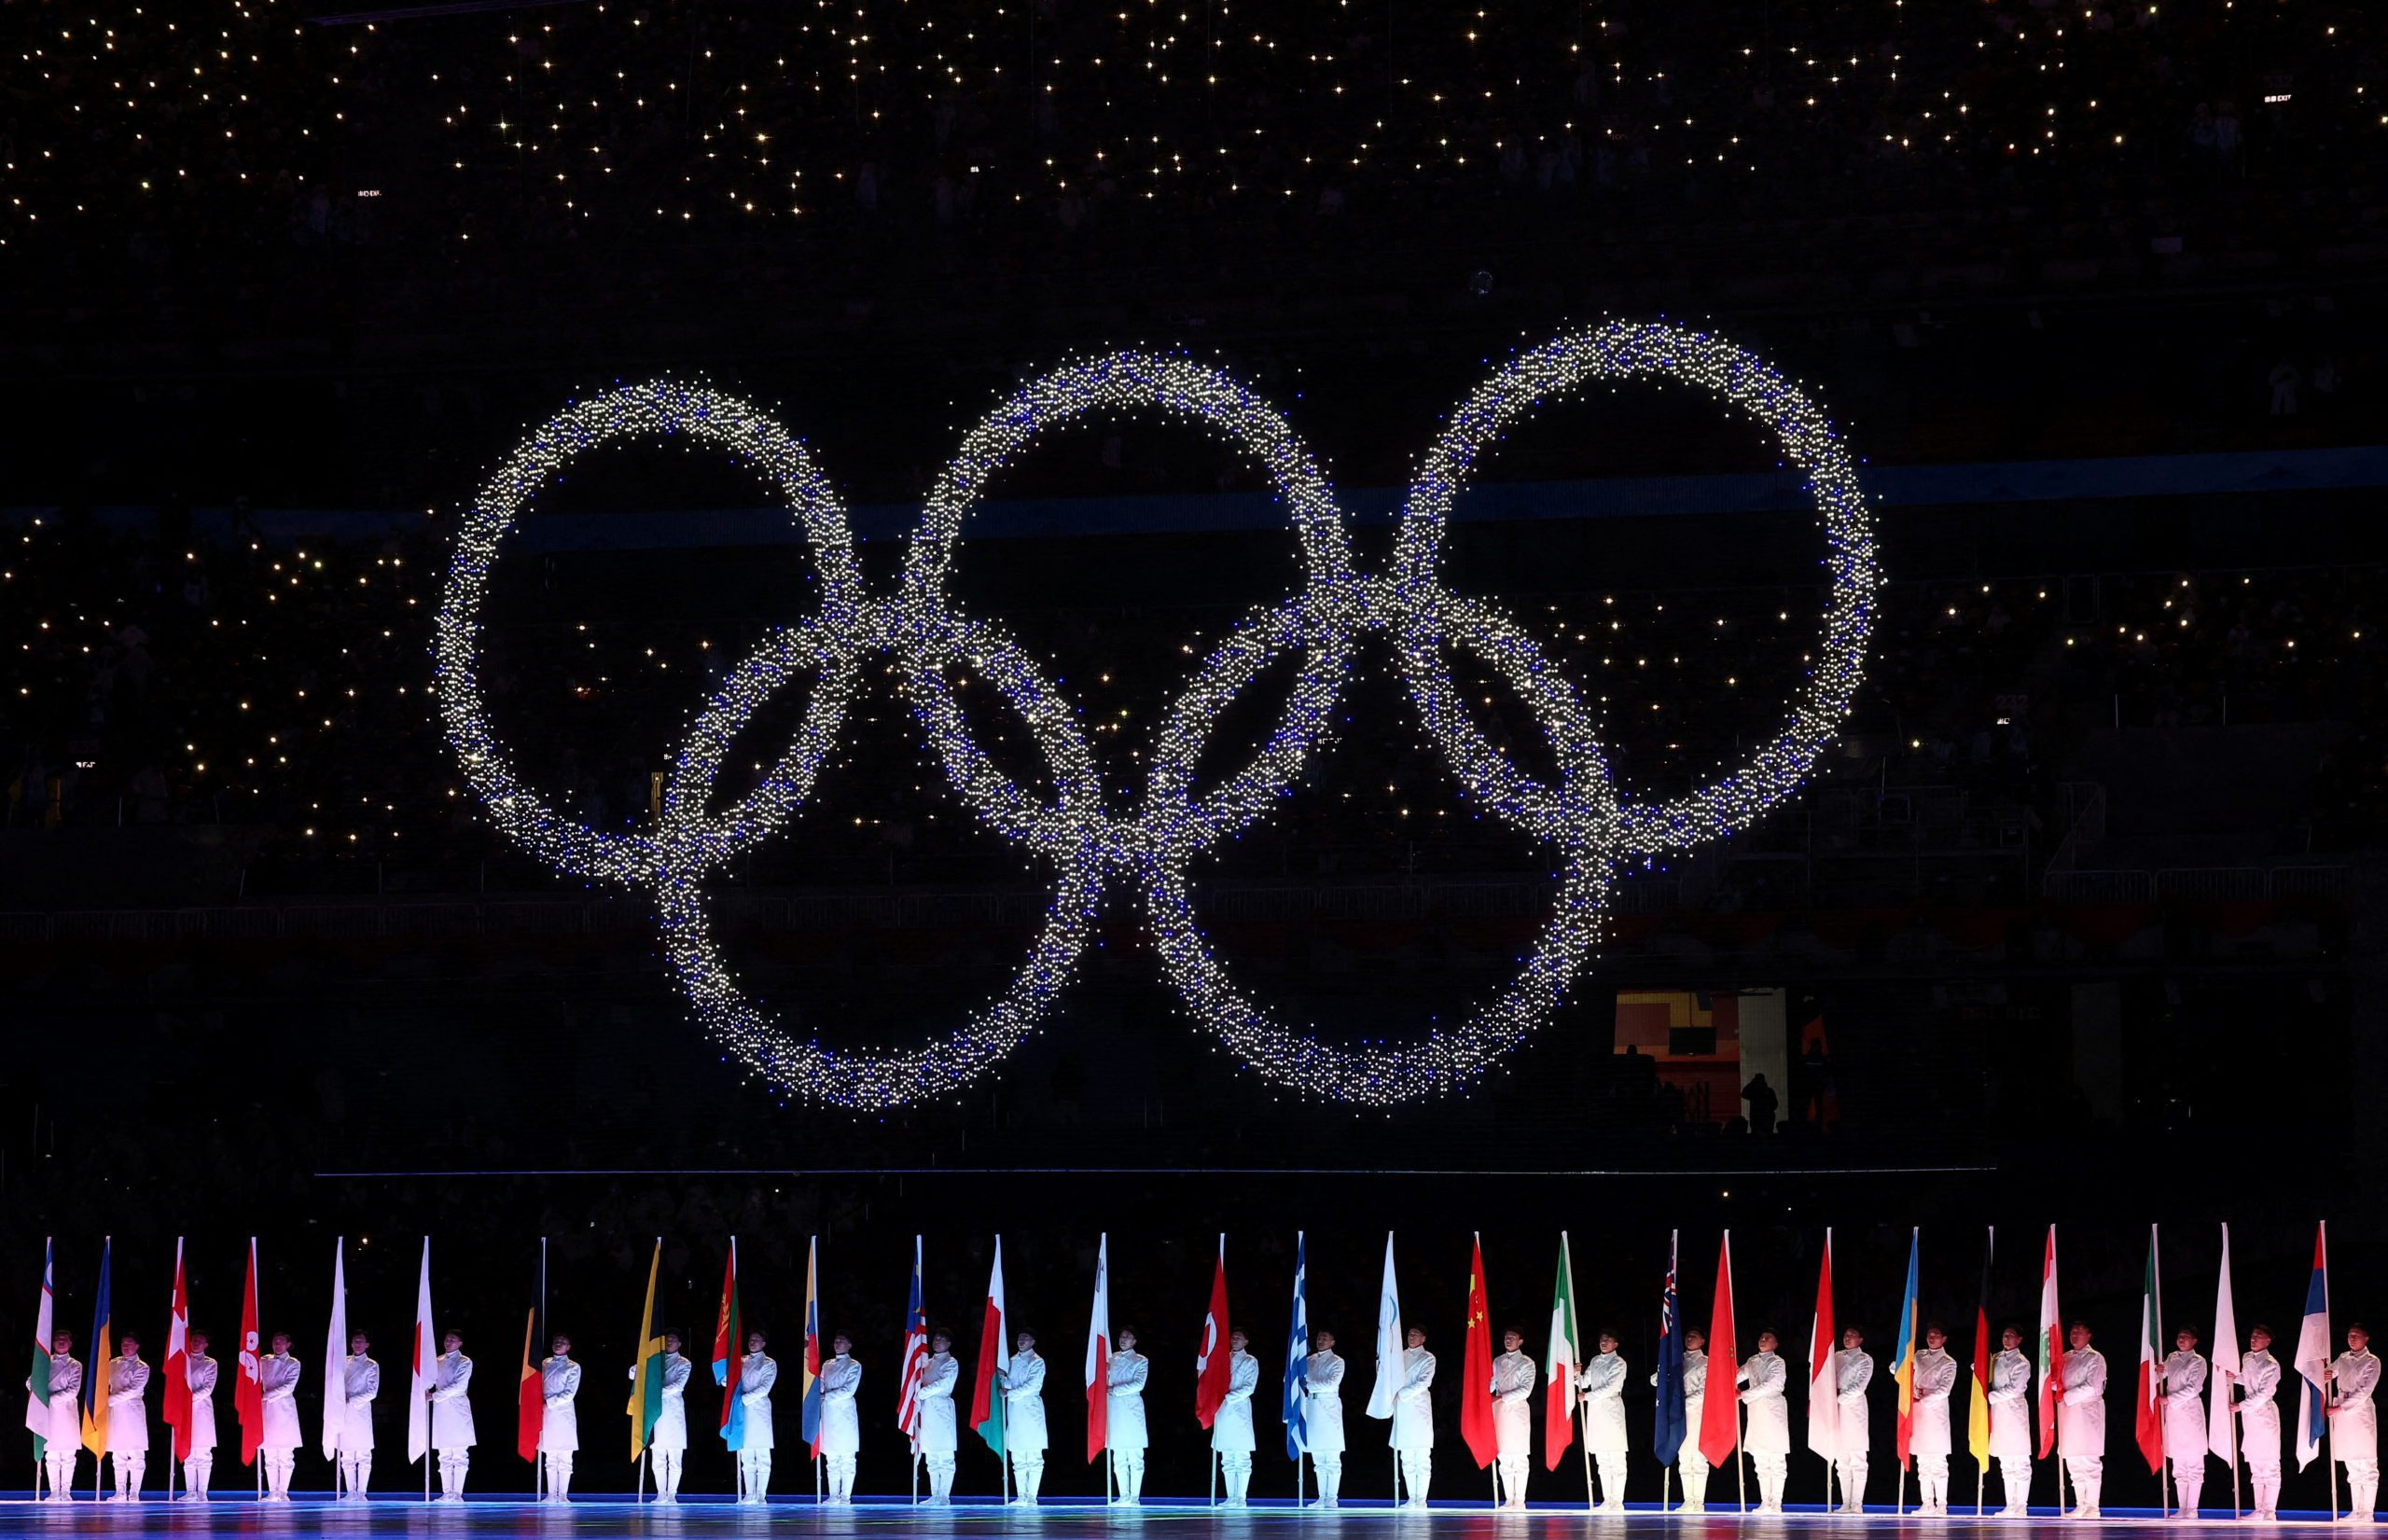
x,y
757,1372
2010,1406
671,1434
1513,1405
278,1389
1852,1370
2184,1407
1604,1392
128,1406
451,1407
935,1396
2081,1410
199,1372
1231,1424
1124,1418
1769,1424
1024,1405
65,1403
840,1420
1323,1413
2258,1415
360,1382
1936,1379
559,1386
1413,1406
1695,1396
2355,1423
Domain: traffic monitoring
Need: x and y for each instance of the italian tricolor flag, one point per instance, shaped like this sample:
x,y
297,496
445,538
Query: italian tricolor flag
x,y
2150,1425
1560,1365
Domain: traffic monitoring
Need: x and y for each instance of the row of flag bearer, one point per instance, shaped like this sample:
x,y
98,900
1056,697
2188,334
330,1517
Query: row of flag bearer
x,y
2189,1408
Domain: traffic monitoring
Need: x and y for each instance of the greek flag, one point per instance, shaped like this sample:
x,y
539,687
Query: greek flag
x,y
1298,1360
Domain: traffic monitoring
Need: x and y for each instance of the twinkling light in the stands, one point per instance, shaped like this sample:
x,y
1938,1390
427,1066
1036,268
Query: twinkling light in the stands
x,y
1579,817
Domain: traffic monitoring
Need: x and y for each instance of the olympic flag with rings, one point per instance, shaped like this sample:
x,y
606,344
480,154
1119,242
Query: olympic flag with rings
x,y
1580,816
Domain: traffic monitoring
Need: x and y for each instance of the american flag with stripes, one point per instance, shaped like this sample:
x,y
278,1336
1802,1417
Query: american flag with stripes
x,y
916,1356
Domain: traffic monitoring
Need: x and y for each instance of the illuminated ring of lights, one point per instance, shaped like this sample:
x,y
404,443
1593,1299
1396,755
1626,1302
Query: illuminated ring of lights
x,y
1628,350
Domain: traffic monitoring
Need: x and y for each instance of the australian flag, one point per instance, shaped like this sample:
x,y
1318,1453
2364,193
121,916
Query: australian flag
x,y
1667,1436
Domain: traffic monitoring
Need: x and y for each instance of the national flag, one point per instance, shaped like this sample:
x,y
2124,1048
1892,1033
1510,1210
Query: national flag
x,y
248,1391
1297,1358
1098,1356
95,1377
177,1409
1390,1344
728,1343
1910,1324
2052,1348
811,1370
422,1366
1212,1372
530,1395
336,1353
1824,1374
2149,1424
37,1380
2225,1361
994,1360
1977,1415
646,1369
2314,1353
1720,1409
916,1356
1565,1354
1475,1369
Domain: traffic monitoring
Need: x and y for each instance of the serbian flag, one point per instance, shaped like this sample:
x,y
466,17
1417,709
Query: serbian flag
x,y
1824,1374
1476,1366
1904,1362
1567,1351
2314,1353
423,1370
811,1370
248,1391
37,1382
529,1397
646,1373
177,1406
727,1345
2149,1424
994,1360
1720,1415
1977,1415
2051,1354
916,1356
95,1378
1098,1356
1210,1368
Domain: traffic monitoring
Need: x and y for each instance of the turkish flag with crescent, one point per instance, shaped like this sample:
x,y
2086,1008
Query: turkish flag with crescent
x,y
1210,1369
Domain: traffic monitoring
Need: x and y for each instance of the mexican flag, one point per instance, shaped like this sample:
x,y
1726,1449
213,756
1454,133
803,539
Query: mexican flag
x,y
2151,1423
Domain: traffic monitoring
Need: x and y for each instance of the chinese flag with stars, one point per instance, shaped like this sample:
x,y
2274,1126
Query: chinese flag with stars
x,y
1476,1379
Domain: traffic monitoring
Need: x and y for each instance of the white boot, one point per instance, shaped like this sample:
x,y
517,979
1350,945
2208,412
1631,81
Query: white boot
x,y
2266,1496
559,1476
1695,1480
1612,1468
2186,1490
1330,1482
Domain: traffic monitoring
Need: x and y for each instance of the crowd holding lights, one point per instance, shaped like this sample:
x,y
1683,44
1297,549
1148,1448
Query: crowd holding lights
x,y
1076,831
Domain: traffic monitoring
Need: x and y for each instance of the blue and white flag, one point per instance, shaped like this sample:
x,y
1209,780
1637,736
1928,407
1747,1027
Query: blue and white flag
x,y
1298,1359
2314,1355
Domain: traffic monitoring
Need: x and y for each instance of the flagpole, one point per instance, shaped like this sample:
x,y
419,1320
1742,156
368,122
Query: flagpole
x,y
1582,1414
1741,1464
2163,1464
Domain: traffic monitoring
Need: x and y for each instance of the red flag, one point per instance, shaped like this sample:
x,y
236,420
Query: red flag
x,y
248,1396
2051,1365
530,1398
1824,1374
1476,1376
178,1361
1210,1365
1720,1411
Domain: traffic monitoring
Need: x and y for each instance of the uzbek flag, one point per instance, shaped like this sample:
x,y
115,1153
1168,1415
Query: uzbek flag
x,y
812,1370
1977,1415
37,1380
1904,1360
95,1378
727,1343
994,1360
647,1376
2149,1424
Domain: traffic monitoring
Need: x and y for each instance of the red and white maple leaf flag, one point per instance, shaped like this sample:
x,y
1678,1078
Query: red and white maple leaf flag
x,y
1210,1368
178,1408
1098,1356
1824,1381
422,1366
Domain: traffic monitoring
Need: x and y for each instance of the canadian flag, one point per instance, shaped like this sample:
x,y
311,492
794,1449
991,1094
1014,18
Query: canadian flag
x,y
178,1361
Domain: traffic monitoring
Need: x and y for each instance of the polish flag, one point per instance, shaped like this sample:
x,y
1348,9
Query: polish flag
x,y
1098,1356
177,1409
1720,1415
1210,1368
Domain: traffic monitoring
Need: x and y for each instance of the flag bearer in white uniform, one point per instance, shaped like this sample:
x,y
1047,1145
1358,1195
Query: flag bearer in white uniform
x,y
1688,1460
1853,1369
1231,1424
2010,1421
1323,1385
1603,1388
2185,1440
360,1382
934,1394
1936,1379
1023,1388
278,1442
1513,1416
560,1427
449,1394
668,1442
64,1436
840,1423
2259,1420
1124,1418
1413,1419
1768,1439
2081,1420
199,1372
128,1417
2354,1422
757,1372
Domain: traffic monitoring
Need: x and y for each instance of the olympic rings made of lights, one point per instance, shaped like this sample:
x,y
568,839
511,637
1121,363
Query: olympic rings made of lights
x,y
1581,817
